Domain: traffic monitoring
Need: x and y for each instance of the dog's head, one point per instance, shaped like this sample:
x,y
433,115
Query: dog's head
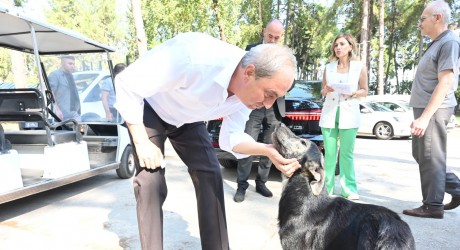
x,y
306,152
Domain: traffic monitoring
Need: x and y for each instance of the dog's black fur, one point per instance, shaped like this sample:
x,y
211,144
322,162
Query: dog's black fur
x,y
311,219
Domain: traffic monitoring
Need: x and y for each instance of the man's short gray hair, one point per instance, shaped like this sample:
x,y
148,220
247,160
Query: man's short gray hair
x,y
440,7
270,59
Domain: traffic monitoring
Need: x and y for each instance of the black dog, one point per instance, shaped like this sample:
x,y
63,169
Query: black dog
x,y
311,219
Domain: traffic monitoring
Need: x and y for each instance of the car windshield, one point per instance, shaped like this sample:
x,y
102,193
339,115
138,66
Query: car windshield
x,y
310,90
405,104
77,83
84,79
377,107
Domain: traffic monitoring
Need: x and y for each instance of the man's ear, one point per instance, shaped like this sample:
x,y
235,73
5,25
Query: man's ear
x,y
250,71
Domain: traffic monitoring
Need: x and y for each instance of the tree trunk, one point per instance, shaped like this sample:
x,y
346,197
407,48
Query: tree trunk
x,y
18,67
141,38
380,89
420,46
219,21
398,89
261,21
370,34
364,32
278,3
391,43
288,8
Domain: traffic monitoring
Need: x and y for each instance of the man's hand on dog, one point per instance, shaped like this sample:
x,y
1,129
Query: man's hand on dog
x,y
286,166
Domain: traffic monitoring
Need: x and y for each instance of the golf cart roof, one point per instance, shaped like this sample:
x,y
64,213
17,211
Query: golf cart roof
x,y
17,29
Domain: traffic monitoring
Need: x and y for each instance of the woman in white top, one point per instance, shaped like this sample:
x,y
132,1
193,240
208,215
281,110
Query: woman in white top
x,y
344,82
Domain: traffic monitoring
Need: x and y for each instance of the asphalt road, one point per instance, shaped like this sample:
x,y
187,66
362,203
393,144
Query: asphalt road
x,y
99,213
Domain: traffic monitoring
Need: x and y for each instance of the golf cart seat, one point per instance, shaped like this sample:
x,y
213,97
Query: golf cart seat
x,y
27,105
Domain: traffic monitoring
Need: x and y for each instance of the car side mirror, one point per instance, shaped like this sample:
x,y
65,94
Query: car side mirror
x,y
365,111
399,109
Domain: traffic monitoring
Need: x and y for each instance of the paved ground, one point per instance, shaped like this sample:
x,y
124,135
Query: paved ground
x,y
99,213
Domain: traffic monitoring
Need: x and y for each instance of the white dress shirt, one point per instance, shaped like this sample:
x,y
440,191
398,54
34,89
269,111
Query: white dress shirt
x,y
185,80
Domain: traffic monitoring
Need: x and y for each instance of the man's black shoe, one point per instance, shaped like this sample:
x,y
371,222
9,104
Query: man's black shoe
x,y
239,195
263,190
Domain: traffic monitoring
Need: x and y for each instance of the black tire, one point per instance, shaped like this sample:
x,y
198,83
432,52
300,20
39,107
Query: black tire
x,y
228,163
127,168
383,131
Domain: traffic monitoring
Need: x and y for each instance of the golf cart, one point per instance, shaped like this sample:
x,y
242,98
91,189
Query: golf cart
x,y
39,149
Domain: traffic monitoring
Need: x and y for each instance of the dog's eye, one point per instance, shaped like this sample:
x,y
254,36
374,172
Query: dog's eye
x,y
304,142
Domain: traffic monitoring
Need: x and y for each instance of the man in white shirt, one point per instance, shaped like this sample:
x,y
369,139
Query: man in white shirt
x,y
271,117
169,92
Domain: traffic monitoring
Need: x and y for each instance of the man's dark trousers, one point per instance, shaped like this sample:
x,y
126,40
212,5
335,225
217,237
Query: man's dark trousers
x,y
253,126
429,151
193,145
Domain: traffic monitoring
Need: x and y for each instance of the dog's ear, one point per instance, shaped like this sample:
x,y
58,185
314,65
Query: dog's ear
x,y
317,171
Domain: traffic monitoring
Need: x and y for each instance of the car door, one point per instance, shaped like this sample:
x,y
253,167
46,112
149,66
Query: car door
x,y
368,120
91,102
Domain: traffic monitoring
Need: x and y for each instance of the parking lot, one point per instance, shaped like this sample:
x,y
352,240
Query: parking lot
x,y
99,213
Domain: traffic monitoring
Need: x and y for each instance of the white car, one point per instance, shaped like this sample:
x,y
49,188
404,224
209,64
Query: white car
x,y
400,103
89,88
394,103
383,123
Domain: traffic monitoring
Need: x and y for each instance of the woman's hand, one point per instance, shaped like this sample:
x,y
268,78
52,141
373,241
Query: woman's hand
x,y
326,89
286,166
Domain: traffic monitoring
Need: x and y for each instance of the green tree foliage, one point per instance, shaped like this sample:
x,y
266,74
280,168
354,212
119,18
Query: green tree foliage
x,y
163,19
309,38
93,18
96,19
20,3
310,28
5,66
402,38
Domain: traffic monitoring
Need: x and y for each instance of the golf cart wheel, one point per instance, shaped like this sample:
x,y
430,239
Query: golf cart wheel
x,y
383,131
228,163
127,167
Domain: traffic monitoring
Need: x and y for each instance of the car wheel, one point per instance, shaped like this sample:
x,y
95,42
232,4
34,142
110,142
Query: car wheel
x,y
91,117
127,167
383,131
228,163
